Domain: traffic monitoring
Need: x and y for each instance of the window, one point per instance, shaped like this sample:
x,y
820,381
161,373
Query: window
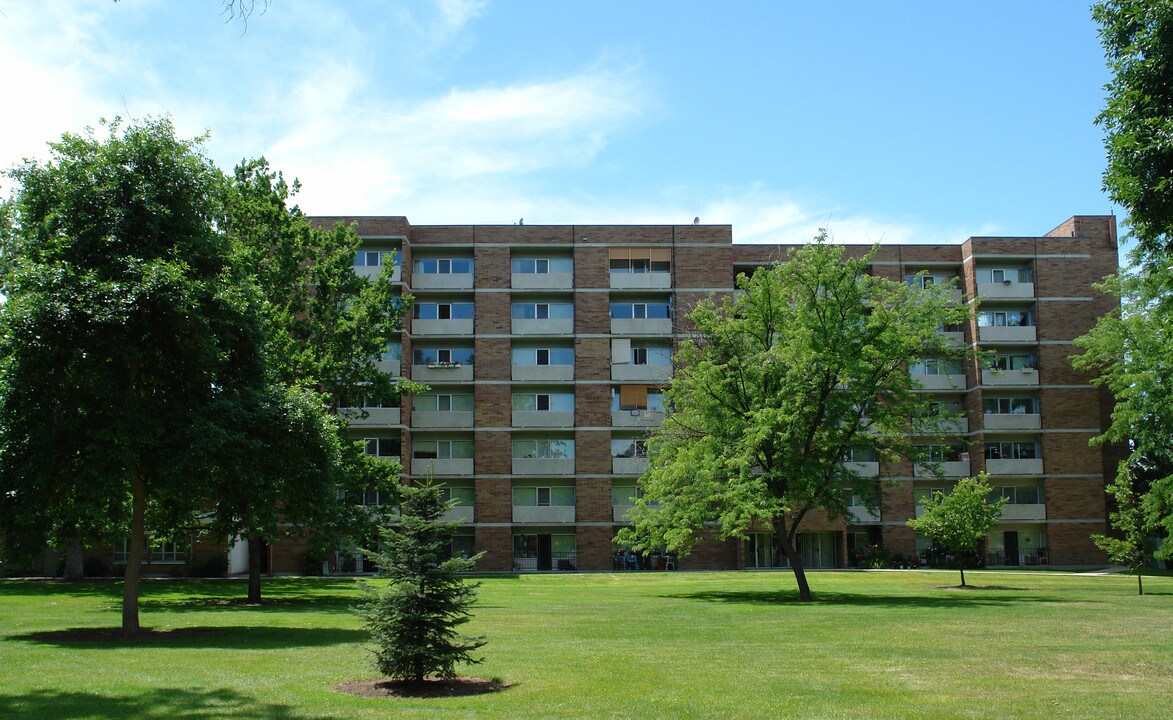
x,y
372,498
1013,361
1019,495
444,266
542,266
1006,318
442,449
543,496
859,455
444,357
641,311
640,260
637,397
936,366
159,552
392,352
543,402
1012,450
1003,275
543,311
929,279
1011,406
939,453
543,356
628,448
442,311
920,494
858,498
443,402
463,495
382,447
544,448
375,258
625,494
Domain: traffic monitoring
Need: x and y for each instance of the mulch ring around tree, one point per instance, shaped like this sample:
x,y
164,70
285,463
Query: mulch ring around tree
x,y
431,687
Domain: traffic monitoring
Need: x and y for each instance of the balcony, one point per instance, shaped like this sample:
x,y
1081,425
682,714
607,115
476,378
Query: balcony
x,y
442,466
543,373
649,374
1024,512
629,466
543,514
951,469
441,327
390,367
543,466
551,326
1009,421
956,339
554,561
376,417
641,281
373,272
1008,334
441,373
460,513
1030,466
1010,378
541,281
864,469
1007,290
857,514
641,326
441,281
636,418
446,419
941,382
542,419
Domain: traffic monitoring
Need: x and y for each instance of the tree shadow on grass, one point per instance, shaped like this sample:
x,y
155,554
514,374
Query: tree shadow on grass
x,y
790,597
156,704
211,637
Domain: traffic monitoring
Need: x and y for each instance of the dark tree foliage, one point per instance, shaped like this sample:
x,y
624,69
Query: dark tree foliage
x,y
414,619
957,522
126,335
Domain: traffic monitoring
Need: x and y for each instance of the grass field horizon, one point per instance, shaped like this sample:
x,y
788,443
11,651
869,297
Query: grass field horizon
x,y
903,644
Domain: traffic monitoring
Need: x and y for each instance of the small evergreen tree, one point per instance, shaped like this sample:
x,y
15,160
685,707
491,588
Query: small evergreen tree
x,y
413,620
1131,548
958,522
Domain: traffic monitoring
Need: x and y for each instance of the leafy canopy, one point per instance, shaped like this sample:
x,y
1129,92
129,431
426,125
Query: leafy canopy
x,y
957,522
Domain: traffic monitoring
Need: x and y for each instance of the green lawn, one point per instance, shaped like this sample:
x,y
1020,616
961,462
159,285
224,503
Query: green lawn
x,y
671,645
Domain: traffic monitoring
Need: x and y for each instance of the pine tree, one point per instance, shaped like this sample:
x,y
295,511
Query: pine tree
x,y
413,620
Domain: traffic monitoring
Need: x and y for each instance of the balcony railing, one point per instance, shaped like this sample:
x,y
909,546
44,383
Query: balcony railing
x,y
556,561
1032,556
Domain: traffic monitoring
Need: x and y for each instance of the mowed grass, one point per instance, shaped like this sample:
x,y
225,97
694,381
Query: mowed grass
x,y
664,645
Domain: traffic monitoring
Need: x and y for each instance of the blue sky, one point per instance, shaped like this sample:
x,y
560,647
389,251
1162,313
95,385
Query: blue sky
x,y
883,121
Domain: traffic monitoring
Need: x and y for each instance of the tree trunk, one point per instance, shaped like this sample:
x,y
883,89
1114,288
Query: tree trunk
x,y
255,550
783,539
962,565
1139,584
134,559
74,561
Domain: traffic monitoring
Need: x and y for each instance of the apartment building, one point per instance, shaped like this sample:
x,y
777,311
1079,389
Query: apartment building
x,y
547,349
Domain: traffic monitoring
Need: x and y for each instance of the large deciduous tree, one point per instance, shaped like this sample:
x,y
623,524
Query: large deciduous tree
x,y
777,383
326,327
126,333
959,520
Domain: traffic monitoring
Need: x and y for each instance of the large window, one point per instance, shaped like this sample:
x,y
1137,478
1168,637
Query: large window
x,y
159,553
392,352
637,397
860,455
652,355
543,311
1010,406
640,260
1013,450
375,258
444,266
382,447
1013,361
1006,318
543,402
543,356
1006,275
930,278
442,449
442,311
544,448
443,356
628,448
640,310
936,366
1019,494
463,495
542,266
543,496
442,402
939,453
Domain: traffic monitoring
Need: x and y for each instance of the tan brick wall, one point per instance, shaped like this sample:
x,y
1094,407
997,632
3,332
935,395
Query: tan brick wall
x,y
1074,498
493,314
493,453
593,547
592,405
592,500
494,499
1071,544
497,544
493,406
493,359
592,313
592,268
491,268
592,451
592,359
